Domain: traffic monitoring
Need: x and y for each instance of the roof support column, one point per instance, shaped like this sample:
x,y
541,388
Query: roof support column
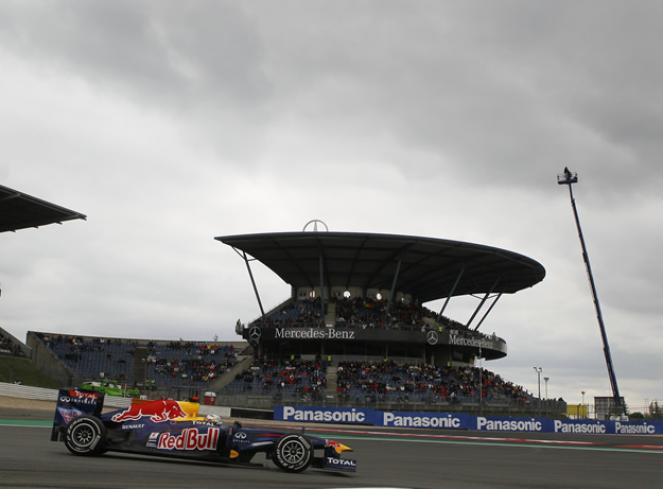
x,y
322,290
453,289
497,297
253,282
393,285
476,311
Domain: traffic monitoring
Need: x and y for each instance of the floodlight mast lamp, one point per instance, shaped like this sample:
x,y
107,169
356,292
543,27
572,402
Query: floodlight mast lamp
x,y
569,178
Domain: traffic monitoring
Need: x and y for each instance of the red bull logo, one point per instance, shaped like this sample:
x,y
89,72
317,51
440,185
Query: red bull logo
x,y
189,439
157,411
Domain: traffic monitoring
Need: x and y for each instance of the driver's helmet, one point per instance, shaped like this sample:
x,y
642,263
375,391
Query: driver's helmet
x,y
214,418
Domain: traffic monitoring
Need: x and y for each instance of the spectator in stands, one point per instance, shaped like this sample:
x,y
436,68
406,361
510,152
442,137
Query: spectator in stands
x,y
166,363
365,382
366,313
294,379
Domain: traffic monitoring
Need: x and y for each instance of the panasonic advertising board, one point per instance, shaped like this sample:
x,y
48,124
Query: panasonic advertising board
x,y
462,421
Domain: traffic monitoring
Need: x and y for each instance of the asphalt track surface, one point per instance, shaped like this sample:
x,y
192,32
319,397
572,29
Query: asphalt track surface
x,y
417,459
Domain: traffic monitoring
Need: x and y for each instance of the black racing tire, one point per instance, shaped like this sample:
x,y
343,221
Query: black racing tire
x,y
85,436
293,453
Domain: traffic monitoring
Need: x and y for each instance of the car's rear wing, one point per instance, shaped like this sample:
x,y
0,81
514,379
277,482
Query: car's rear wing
x,y
71,404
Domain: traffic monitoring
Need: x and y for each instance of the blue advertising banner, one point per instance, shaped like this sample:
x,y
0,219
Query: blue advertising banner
x,y
462,421
325,414
409,419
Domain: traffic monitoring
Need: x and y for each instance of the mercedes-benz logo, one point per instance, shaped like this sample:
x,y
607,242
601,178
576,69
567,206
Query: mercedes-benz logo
x,y
431,337
254,334
314,223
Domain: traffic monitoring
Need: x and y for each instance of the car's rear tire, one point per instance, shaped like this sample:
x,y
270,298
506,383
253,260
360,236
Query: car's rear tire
x,y
293,453
85,436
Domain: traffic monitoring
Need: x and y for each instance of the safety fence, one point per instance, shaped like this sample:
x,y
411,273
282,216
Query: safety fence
x,y
463,421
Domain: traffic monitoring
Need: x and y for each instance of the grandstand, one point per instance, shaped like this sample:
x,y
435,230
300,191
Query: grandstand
x,y
19,210
354,330
296,380
162,367
360,382
9,345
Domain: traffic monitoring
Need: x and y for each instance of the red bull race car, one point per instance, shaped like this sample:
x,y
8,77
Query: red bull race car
x,y
175,429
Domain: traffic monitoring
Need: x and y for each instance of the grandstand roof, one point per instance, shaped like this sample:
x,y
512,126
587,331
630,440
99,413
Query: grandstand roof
x,y
429,266
20,211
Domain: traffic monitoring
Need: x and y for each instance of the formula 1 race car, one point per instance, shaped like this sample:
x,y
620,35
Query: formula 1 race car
x,y
174,429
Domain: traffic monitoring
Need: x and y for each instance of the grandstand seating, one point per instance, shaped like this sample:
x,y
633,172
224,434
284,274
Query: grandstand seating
x,y
293,380
10,346
170,364
366,382
364,313
293,314
166,363
376,382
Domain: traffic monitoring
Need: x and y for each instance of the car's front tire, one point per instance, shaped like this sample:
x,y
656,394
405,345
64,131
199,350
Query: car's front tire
x,y
293,453
85,435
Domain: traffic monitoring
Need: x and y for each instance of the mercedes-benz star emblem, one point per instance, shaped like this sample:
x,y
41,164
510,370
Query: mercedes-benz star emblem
x,y
431,337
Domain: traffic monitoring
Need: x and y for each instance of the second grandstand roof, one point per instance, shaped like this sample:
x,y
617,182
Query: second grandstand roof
x,y
428,269
19,210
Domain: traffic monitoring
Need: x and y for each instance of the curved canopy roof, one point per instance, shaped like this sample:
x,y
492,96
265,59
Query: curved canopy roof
x,y
428,270
20,211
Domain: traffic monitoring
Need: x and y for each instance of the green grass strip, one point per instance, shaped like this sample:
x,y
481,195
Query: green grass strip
x,y
27,423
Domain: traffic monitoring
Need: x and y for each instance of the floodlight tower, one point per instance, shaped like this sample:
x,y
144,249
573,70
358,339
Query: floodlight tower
x,y
538,371
568,178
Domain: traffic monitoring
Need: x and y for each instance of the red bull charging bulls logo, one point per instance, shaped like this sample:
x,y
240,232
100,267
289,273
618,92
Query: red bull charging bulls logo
x,y
157,411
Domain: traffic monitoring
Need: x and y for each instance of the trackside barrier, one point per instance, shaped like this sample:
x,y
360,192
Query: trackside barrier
x,y
42,394
27,392
222,411
461,421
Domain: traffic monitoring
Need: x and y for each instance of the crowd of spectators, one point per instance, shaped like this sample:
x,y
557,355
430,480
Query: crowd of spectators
x,y
371,313
295,379
365,313
165,363
195,364
361,383
365,382
303,313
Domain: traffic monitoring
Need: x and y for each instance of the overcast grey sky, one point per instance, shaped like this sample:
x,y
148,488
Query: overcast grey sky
x,y
170,123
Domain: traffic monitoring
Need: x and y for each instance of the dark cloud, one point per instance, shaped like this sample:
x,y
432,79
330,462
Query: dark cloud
x,y
501,93
168,123
198,53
